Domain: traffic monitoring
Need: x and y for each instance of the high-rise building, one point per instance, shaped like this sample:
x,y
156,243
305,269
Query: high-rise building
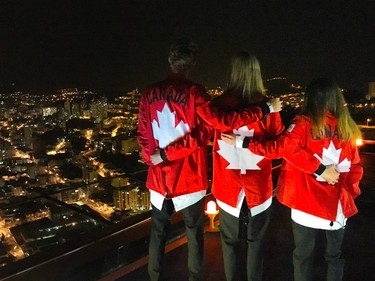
x,y
144,197
76,109
121,198
121,193
134,199
371,89
67,107
70,195
28,136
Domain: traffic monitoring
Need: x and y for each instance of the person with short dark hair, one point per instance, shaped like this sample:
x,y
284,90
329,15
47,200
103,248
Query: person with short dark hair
x,y
174,140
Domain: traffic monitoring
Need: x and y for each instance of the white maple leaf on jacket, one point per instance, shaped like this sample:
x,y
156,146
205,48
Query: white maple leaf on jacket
x,y
166,131
239,158
331,156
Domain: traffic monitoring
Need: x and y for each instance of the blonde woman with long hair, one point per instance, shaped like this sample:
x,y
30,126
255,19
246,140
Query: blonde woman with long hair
x,y
324,128
242,181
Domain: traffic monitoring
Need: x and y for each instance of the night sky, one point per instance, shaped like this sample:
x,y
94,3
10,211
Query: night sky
x,y
109,46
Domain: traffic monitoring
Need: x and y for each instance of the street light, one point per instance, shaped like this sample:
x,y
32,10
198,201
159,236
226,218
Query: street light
x,y
211,212
359,142
368,120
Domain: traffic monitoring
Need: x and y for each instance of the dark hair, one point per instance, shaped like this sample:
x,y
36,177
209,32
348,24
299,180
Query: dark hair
x,y
182,55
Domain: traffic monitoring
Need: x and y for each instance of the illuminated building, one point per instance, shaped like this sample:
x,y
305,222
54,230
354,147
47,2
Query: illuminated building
x,y
120,198
28,136
371,89
47,111
76,109
144,199
67,107
121,187
70,196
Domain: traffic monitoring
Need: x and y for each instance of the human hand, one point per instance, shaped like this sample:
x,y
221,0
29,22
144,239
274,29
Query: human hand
x,y
229,138
156,157
276,104
331,175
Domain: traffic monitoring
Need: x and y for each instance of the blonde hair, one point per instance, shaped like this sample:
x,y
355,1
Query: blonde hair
x,y
321,96
246,77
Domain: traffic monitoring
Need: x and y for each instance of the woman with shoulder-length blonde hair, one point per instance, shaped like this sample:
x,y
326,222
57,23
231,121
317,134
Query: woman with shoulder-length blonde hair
x,y
246,77
242,181
326,129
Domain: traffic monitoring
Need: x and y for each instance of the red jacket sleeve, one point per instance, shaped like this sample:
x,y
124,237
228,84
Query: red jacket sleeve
x,y
290,146
182,147
274,125
145,135
355,174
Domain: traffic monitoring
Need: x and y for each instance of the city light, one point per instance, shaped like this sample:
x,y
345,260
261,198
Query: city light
x,y
359,142
74,144
368,120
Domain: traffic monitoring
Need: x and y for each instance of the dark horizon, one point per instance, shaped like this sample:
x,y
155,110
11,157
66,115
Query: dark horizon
x,y
122,45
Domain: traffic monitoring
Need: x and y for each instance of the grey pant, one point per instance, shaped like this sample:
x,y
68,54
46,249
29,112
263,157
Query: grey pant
x,y
233,231
303,254
194,225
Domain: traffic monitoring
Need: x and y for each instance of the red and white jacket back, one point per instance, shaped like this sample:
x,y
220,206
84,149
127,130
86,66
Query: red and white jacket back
x,y
235,168
298,187
168,120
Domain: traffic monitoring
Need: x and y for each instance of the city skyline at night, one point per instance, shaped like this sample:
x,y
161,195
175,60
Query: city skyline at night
x,y
71,169
71,76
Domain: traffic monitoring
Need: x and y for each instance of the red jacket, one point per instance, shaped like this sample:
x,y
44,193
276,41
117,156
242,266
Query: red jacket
x,y
298,187
236,168
168,120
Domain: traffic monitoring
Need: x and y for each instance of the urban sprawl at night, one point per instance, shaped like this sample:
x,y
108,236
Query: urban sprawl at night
x,y
70,163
